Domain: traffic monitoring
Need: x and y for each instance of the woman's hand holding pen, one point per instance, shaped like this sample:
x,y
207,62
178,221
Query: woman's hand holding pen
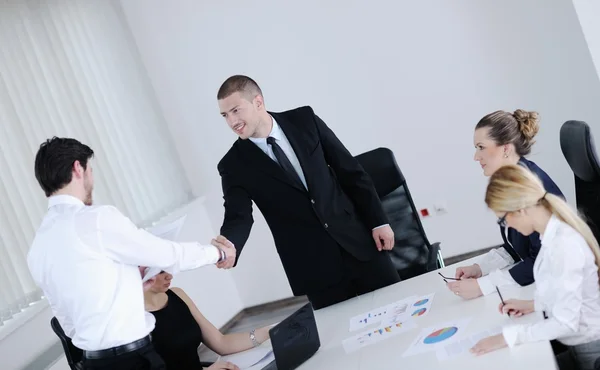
x,y
516,307
468,272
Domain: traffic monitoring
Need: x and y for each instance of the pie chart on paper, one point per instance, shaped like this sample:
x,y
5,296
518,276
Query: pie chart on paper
x,y
421,302
440,335
419,312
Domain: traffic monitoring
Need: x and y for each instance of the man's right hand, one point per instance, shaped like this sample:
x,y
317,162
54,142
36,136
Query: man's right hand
x,y
469,272
230,252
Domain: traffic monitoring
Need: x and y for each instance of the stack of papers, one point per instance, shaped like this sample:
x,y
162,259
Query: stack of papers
x,y
253,358
392,319
463,345
399,311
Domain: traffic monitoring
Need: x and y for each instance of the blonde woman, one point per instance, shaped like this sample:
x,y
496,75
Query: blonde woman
x,y
566,269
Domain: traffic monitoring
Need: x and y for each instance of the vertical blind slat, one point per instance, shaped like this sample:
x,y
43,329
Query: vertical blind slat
x,y
71,68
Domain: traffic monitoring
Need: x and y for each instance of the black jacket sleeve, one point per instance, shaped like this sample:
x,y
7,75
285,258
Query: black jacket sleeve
x,y
354,180
238,219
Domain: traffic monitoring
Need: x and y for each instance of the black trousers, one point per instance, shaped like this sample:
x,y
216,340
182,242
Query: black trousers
x,y
359,278
144,358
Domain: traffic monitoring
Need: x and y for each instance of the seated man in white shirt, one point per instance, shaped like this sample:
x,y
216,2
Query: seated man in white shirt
x,y
86,259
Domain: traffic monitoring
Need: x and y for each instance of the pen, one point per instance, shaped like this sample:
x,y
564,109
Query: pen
x,y
498,290
447,278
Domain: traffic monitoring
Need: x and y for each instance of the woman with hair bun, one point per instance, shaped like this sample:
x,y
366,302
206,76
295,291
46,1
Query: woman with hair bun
x,y
504,138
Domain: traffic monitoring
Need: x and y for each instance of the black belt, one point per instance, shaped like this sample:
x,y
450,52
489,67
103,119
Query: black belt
x,y
119,350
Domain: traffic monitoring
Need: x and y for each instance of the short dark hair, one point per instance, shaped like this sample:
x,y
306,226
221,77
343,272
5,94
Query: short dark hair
x,y
517,128
239,83
54,162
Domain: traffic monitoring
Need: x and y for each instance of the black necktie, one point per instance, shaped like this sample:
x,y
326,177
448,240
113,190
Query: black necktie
x,y
283,160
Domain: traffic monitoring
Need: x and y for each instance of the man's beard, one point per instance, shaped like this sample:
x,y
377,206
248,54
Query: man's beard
x,y
88,197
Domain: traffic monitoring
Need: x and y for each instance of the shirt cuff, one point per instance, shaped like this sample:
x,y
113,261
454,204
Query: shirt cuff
x,y
213,254
538,306
511,335
380,226
484,267
485,284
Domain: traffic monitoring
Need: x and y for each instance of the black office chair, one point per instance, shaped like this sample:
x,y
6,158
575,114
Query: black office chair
x,y
412,254
73,354
577,144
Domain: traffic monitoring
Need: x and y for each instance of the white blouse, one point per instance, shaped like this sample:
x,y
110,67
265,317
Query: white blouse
x,y
566,288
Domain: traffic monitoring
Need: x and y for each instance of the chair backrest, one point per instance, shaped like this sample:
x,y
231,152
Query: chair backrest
x,y
411,249
577,145
73,354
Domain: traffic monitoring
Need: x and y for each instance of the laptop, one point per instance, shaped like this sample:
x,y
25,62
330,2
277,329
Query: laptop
x,y
294,340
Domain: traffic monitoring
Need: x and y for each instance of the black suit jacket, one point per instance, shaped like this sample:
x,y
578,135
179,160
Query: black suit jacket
x,y
340,207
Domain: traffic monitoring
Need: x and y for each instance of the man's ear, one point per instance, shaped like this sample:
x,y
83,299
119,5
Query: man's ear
x,y
259,102
78,169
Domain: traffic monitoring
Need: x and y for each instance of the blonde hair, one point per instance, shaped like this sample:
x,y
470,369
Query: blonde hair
x,y
513,188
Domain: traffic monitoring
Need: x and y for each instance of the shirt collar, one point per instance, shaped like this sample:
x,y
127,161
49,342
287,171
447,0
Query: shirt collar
x,y
276,132
63,199
551,229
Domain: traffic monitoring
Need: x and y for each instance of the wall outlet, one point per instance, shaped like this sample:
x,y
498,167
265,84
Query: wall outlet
x,y
440,208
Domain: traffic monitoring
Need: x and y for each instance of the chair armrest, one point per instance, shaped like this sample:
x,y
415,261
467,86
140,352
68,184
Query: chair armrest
x,y
435,260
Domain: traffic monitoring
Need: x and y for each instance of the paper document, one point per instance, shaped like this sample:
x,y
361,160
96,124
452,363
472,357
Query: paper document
x,y
437,336
262,363
376,316
417,307
251,357
464,344
372,336
168,231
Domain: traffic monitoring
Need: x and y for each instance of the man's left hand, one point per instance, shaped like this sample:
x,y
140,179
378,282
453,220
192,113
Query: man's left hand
x,y
467,289
384,238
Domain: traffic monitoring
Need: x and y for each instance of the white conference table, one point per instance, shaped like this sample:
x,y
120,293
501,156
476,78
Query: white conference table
x,y
333,327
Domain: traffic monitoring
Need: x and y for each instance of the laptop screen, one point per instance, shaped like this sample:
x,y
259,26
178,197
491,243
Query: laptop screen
x,y
295,339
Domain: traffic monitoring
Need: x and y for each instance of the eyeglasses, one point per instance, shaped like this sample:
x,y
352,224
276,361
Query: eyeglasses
x,y
502,220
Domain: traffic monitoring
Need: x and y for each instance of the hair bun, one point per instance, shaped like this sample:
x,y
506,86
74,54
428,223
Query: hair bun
x,y
529,124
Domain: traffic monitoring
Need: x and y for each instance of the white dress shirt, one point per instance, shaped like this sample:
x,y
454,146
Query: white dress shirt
x,y
281,140
494,270
566,288
86,261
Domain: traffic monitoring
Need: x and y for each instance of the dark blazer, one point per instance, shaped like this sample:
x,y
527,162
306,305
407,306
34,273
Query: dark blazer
x,y
527,247
340,207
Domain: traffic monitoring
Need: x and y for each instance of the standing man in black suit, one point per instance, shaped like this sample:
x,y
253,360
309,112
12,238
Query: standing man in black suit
x,y
327,221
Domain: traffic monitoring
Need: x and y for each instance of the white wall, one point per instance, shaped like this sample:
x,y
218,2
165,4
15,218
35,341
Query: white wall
x,y
412,76
588,12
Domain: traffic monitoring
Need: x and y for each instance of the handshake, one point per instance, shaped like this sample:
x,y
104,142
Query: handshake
x,y
228,248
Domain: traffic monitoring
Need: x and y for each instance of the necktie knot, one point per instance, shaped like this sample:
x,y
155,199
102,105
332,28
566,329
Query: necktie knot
x,y
271,140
